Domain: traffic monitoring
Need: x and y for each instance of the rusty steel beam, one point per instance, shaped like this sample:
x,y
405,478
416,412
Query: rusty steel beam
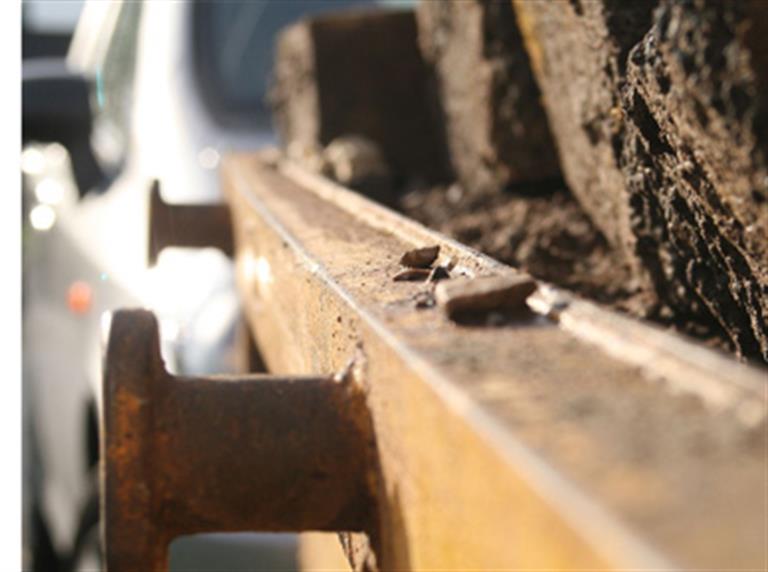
x,y
188,455
194,226
567,438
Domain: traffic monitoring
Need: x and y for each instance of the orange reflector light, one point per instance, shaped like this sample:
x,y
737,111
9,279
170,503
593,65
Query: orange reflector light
x,y
79,297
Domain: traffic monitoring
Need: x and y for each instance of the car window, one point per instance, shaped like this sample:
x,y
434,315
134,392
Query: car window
x,y
43,16
47,27
114,88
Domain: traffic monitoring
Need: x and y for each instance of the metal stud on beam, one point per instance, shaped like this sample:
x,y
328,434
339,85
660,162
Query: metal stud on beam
x,y
189,455
195,226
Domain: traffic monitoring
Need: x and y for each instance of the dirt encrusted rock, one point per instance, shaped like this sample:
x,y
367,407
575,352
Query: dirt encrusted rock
x,y
693,156
659,112
578,49
358,73
496,127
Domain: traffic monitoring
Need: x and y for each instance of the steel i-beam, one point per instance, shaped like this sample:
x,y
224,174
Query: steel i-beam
x,y
189,455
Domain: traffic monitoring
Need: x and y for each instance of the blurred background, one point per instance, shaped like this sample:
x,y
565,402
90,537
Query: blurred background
x,y
117,95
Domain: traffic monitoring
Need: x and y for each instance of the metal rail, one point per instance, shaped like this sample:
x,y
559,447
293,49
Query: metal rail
x,y
582,440
567,437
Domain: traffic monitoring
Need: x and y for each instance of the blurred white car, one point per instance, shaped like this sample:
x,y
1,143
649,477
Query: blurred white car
x,y
149,91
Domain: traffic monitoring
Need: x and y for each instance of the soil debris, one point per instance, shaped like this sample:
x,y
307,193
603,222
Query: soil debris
x,y
412,275
420,257
547,236
463,297
551,238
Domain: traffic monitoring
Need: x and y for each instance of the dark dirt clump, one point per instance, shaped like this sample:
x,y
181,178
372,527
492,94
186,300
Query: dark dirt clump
x,y
551,238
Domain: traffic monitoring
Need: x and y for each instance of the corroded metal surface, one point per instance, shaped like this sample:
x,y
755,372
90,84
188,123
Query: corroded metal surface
x,y
189,455
570,438
195,226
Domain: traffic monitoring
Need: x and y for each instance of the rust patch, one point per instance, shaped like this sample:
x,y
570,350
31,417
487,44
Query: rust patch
x,y
256,453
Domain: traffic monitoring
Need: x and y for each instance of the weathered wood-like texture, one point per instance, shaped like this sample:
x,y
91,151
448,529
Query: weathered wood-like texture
x,y
576,50
359,73
496,127
660,119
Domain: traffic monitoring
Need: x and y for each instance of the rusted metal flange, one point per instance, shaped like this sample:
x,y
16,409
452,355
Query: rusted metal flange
x,y
189,455
194,226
